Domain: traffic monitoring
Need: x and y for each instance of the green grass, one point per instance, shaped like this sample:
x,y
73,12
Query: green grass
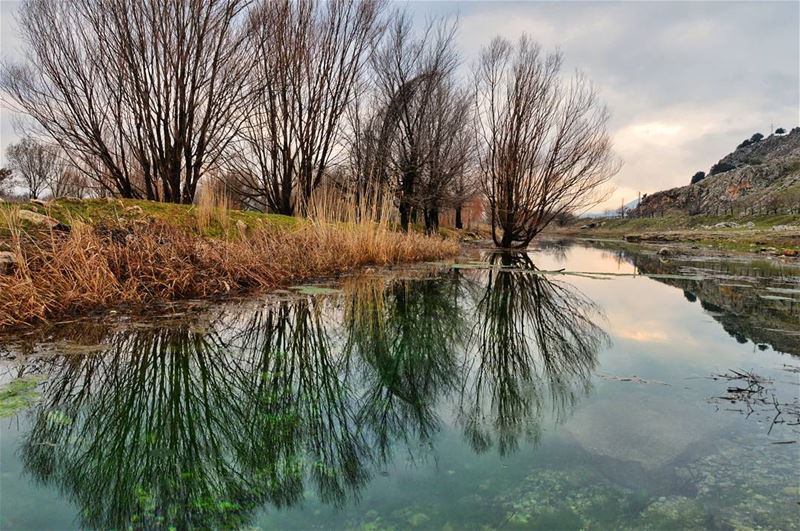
x,y
690,229
115,211
684,222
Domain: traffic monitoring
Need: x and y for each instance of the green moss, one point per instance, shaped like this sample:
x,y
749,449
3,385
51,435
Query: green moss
x,y
18,395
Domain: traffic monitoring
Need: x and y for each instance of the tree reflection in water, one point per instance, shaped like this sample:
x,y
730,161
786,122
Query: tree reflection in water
x,y
403,338
175,426
536,342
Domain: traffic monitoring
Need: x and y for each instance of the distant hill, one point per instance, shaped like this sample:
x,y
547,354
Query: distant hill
x,y
759,177
611,213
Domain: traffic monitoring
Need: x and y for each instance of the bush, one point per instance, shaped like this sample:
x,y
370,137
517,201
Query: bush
x,y
721,167
757,137
697,177
780,131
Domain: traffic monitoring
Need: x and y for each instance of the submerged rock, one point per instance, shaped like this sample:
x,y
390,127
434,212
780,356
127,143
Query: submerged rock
x,y
674,512
651,434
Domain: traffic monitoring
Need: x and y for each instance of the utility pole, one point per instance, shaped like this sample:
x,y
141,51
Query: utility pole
x,y
639,202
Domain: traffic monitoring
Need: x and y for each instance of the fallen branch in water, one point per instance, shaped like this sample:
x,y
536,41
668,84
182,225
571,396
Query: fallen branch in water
x,y
756,393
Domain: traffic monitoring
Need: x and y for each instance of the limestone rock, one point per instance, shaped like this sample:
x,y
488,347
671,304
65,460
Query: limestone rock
x,y
34,218
8,261
764,177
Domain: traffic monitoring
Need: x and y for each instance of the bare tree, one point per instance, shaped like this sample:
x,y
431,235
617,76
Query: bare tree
x,y
142,95
310,56
70,182
446,141
418,101
542,143
464,188
35,165
6,181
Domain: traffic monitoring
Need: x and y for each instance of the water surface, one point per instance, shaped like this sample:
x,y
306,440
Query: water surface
x,y
499,393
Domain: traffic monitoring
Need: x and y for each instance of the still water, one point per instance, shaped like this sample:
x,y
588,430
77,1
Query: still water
x,y
500,392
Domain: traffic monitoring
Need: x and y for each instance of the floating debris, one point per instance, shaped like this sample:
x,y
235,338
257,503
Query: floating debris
x,y
634,379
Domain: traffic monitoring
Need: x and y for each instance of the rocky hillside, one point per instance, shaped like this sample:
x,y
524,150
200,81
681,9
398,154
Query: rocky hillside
x,y
760,177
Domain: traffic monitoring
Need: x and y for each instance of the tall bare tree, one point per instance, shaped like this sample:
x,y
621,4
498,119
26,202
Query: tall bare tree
x,y
446,139
144,95
419,100
542,143
35,164
310,56
463,189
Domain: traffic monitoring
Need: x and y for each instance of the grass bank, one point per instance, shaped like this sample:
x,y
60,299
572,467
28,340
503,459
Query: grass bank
x,y
771,234
110,254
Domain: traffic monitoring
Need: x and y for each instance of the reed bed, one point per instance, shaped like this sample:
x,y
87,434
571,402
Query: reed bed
x,y
95,268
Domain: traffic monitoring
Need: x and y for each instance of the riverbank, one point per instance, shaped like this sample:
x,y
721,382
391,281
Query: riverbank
x,y
73,257
777,235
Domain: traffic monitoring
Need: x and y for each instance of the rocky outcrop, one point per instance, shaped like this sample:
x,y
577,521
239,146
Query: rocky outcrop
x,y
764,179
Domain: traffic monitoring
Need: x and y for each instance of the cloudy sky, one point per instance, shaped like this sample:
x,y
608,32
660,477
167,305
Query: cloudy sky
x,y
684,81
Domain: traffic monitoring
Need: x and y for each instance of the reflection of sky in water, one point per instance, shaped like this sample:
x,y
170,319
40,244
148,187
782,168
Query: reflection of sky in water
x,y
650,446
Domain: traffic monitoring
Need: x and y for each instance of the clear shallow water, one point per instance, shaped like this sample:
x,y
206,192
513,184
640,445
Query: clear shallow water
x,y
429,397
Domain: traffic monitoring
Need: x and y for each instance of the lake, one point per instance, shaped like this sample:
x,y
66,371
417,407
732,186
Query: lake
x,y
575,386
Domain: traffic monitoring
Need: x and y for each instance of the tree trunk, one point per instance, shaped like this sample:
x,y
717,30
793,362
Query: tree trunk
x,y
431,221
404,215
459,224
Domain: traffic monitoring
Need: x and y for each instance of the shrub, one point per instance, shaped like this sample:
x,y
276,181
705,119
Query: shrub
x,y
721,167
757,137
697,177
780,131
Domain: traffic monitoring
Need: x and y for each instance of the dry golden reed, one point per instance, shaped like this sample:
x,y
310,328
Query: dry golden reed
x,y
92,268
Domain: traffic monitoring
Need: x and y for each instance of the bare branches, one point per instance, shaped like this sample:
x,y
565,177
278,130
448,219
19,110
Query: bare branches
x,y
143,95
542,141
36,166
148,97
309,59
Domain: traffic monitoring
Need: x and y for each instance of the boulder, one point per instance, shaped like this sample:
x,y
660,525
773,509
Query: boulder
x,y
34,218
8,261
726,225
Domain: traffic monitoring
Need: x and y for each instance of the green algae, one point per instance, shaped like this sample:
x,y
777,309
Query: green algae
x,y
18,395
315,290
